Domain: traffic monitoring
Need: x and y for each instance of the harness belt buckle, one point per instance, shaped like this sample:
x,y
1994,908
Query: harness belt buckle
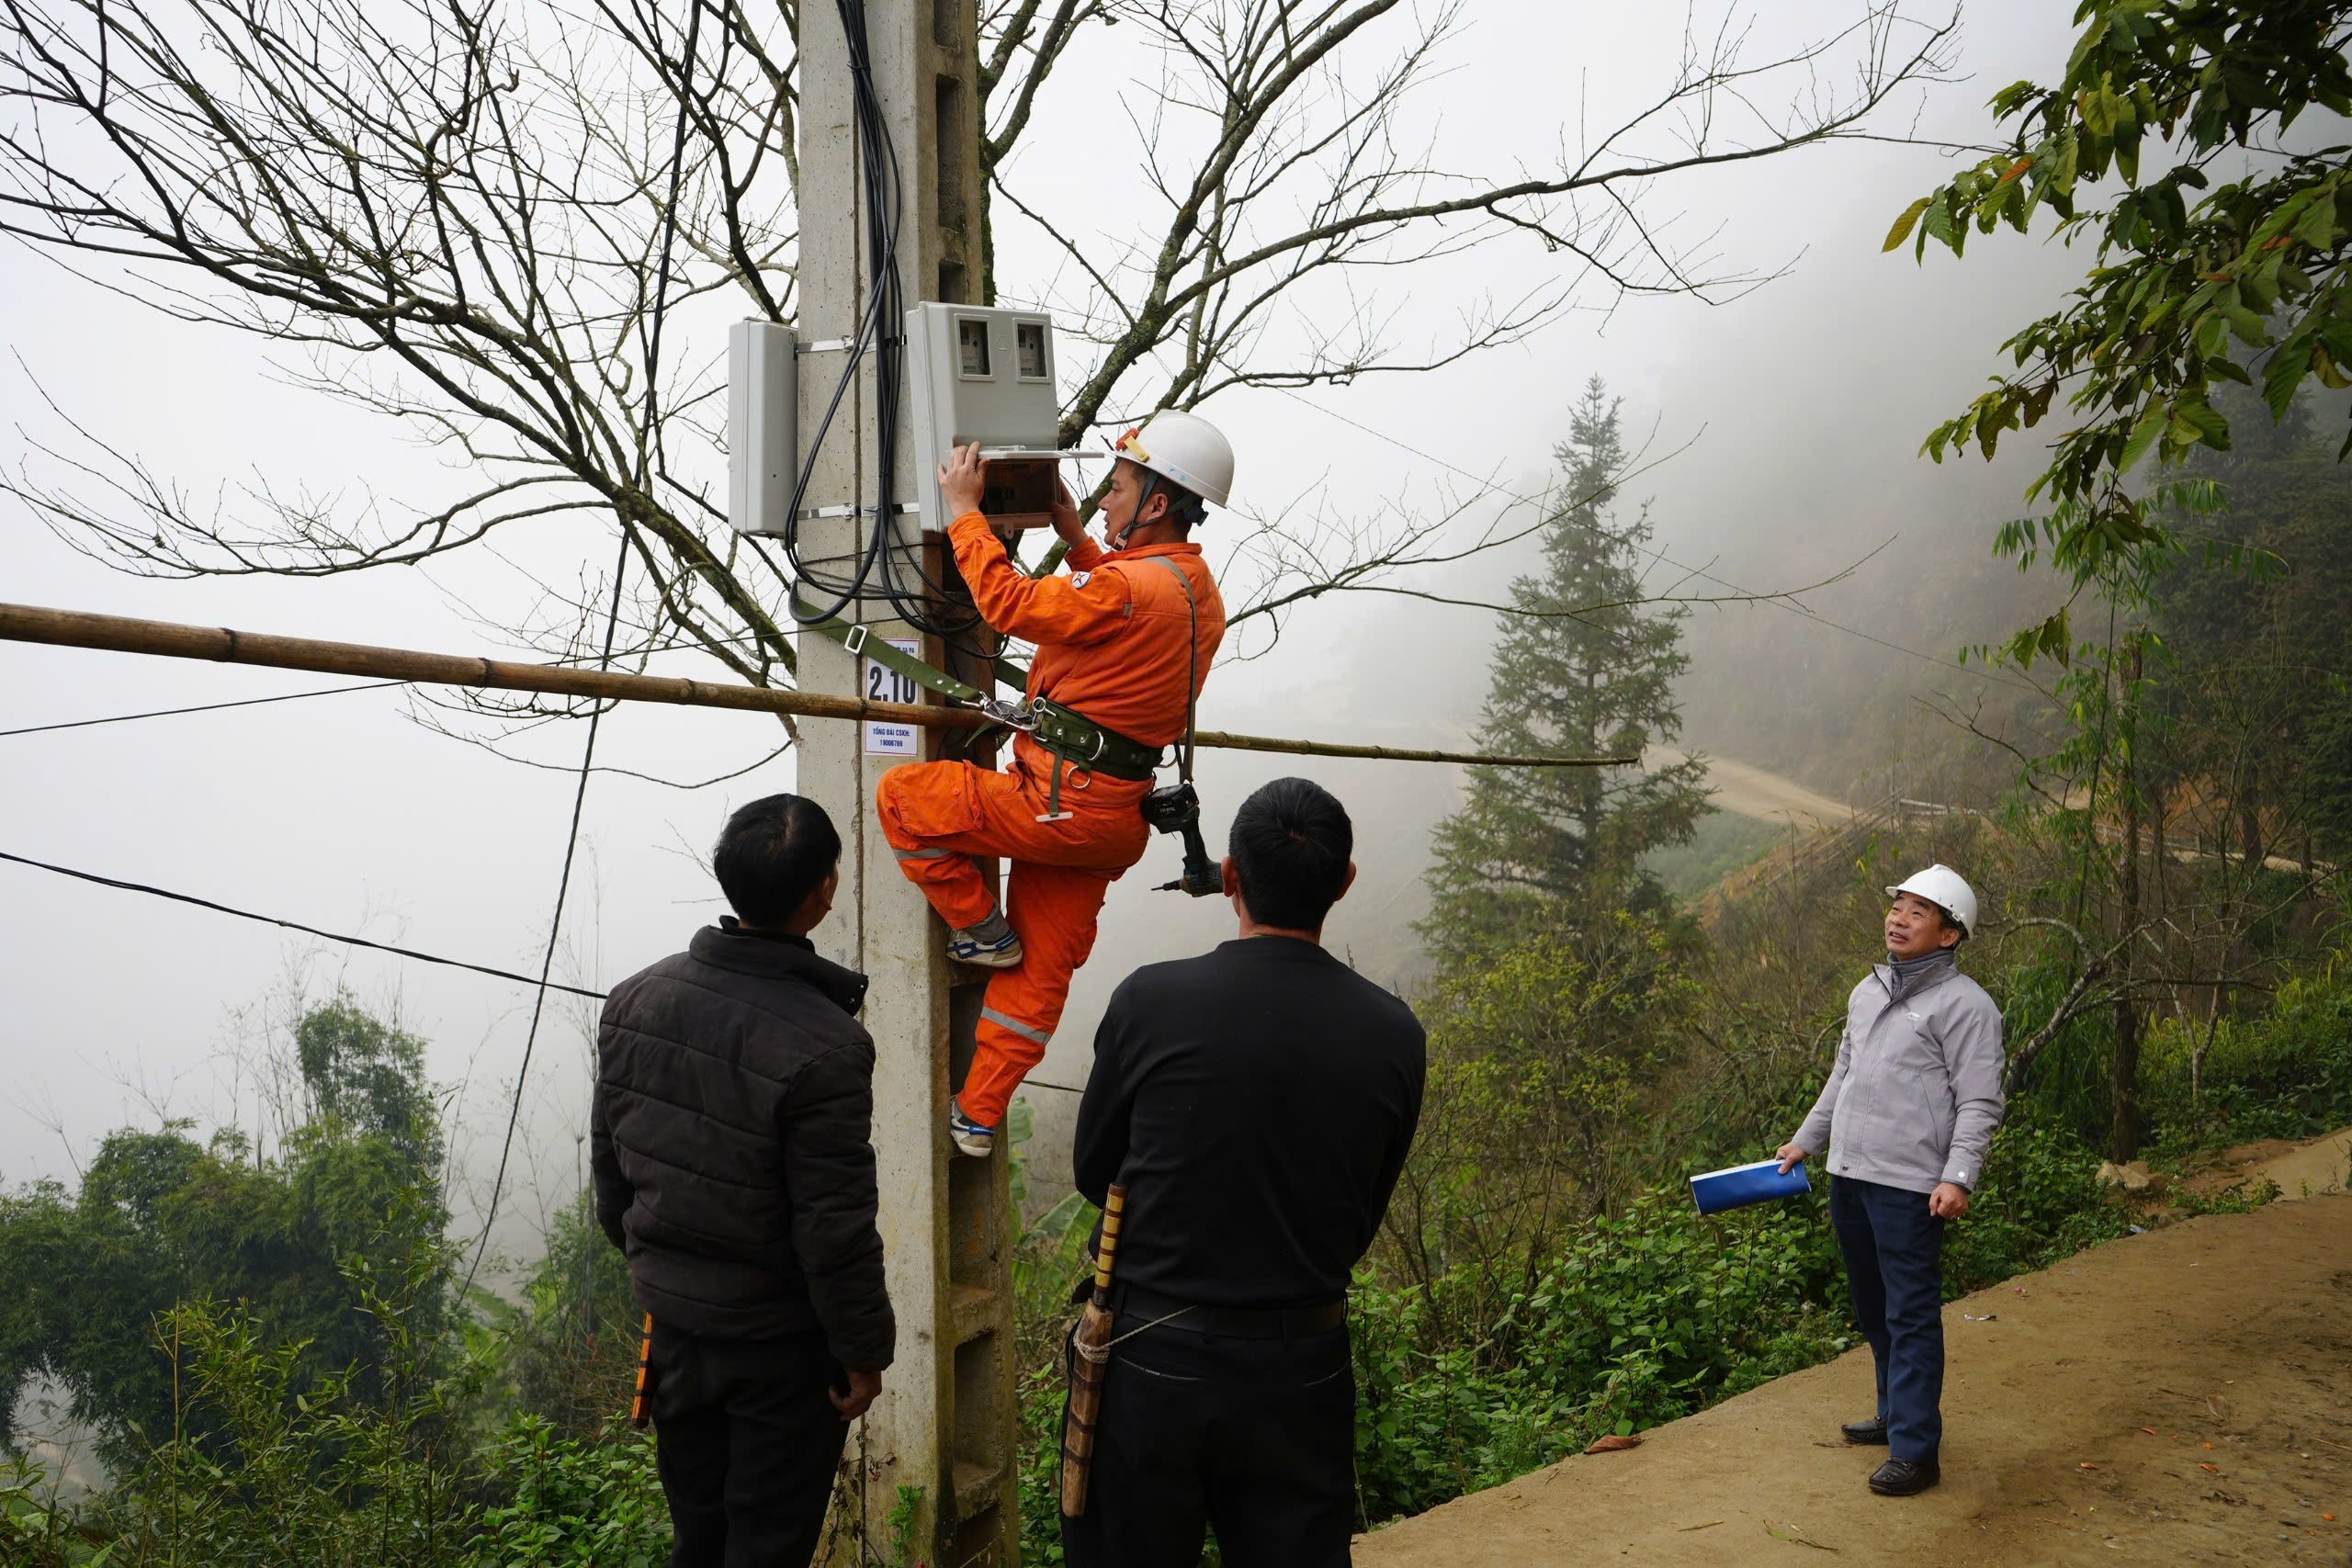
x,y
1013,715
856,641
1055,816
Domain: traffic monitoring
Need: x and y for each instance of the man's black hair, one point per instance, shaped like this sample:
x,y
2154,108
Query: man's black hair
x,y
772,854
1290,845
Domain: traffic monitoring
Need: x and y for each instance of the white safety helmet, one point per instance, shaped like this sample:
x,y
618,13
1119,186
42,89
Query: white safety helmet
x,y
1184,449
1947,890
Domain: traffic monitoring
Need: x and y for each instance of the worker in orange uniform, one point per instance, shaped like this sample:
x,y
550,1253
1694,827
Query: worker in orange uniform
x,y
1123,643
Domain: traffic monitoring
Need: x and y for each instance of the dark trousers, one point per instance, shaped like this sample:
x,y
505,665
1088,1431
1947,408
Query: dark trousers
x,y
1256,1436
748,1445
1893,1251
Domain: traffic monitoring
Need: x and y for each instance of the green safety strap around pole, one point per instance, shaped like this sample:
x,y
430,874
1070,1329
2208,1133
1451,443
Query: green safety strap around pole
x,y
1062,730
858,641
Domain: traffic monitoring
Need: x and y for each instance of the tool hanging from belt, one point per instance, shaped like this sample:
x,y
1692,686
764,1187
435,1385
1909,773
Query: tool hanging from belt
x,y
1177,809
640,1404
1090,1345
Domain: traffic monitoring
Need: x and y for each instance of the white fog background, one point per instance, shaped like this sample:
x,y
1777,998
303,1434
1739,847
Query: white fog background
x,y
1800,406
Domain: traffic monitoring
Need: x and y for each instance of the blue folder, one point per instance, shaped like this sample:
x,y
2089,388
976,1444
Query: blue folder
x,y
1743,1184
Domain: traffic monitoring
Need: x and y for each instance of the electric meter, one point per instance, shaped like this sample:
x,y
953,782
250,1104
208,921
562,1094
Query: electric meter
x,y
980,373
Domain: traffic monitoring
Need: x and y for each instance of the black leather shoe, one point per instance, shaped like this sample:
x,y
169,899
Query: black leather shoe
x,y
1872,1431
1903,1478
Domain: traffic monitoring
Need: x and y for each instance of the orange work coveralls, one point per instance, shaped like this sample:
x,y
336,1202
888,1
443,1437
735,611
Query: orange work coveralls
x,y
1117,642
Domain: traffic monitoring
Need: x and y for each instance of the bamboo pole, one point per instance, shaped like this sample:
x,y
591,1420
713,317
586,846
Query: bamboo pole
x,y
171,639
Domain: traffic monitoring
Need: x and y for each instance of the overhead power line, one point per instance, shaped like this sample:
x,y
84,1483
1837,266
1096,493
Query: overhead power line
x,y
120,884
346,938
563,881
202,707
1488,486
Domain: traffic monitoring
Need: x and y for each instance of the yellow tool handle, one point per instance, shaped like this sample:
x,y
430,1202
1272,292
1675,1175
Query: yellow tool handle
x,y
1106,1253
640,1409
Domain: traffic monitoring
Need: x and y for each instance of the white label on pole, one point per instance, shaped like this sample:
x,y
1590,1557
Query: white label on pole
x,y
879,683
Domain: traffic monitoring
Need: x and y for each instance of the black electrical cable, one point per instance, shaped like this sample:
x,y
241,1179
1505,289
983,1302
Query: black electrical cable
x,y
293,925
877,573
612,624
882,262
348,940
555,921
201,707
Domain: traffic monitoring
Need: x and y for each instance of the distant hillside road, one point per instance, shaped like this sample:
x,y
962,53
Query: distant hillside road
x,y
1768,797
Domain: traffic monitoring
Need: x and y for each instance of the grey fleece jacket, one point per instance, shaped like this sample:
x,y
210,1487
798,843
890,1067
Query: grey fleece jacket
x,y
1916,1094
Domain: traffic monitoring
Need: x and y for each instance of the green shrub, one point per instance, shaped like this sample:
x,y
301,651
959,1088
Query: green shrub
x,y
2041,1200
1650,1314
577,1503
2284,1073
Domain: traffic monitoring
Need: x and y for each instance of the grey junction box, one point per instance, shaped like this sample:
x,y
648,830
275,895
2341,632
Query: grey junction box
x,y
763,425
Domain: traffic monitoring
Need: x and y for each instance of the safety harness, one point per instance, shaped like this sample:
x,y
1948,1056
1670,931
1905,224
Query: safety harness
x,y
1073,738
1077,740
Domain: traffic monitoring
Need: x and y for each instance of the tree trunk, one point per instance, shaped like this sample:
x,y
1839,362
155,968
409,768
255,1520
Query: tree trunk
x,y
2124,1137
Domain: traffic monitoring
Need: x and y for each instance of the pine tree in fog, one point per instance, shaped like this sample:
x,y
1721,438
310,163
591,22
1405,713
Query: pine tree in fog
x,y
1580,670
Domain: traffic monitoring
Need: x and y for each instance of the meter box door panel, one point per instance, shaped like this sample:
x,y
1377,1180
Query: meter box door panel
x,y
985,374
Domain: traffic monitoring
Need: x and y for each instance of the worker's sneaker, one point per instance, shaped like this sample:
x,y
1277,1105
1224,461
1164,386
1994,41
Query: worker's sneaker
x,y
1904,1477
969,1137
1872,1431
990,943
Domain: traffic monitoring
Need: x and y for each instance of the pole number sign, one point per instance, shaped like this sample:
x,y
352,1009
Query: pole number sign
x,y
879,683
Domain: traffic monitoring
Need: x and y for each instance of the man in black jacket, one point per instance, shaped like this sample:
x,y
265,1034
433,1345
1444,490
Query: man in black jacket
x,y
730,1146
1257,1103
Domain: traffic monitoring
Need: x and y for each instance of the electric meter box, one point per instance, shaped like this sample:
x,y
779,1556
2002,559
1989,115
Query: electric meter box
x,y
763,425
980,373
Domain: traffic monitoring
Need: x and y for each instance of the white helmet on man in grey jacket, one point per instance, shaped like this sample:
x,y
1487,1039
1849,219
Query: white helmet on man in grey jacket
x,y
1947,890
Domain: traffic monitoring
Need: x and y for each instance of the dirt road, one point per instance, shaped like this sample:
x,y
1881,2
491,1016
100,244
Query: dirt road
x,y
1747,791
2174,1398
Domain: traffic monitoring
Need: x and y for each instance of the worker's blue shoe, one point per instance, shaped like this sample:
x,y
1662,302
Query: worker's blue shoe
x,y
990,943
969,1137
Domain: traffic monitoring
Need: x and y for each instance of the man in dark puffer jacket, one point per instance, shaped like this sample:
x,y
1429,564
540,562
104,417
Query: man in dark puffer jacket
x,y
730,1144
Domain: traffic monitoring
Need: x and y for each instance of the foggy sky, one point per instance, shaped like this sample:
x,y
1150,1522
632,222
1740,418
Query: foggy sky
x,y
1801,404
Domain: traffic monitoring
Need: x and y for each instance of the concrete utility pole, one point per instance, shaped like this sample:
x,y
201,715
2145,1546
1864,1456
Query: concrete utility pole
x,y
943,1432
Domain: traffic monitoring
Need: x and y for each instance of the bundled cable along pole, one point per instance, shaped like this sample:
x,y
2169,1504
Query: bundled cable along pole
x,y
171,639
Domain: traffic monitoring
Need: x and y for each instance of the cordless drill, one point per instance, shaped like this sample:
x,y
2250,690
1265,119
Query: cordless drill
x,y
1177,809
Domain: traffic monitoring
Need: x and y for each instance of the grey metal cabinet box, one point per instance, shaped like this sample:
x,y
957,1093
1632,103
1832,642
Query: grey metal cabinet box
x,y
762,427
986,374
